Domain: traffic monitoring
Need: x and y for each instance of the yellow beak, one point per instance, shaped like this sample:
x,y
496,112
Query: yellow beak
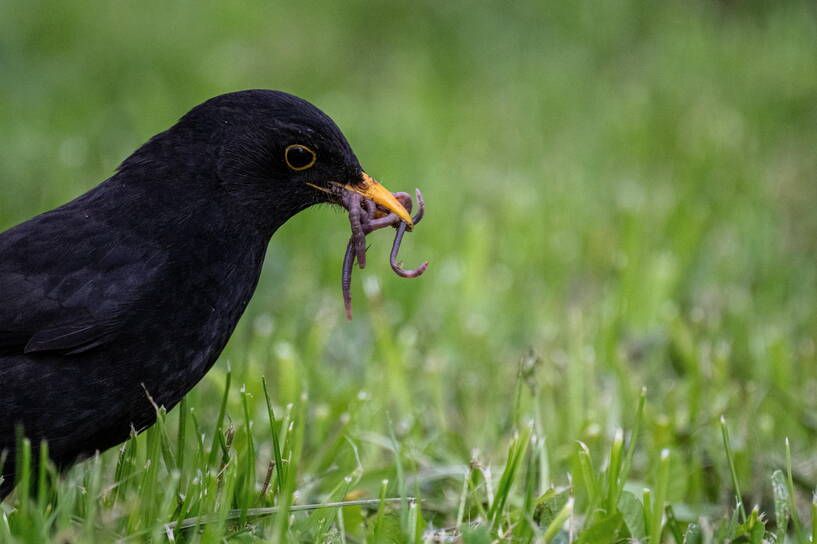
x,y
380,195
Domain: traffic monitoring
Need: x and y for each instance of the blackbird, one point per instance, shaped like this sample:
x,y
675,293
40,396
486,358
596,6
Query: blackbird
x,y
130,291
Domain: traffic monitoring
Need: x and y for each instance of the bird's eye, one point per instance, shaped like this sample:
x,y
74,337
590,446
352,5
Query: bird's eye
x,y
299,157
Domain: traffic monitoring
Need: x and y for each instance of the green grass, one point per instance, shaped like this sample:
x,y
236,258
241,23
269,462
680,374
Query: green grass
x,y
622,234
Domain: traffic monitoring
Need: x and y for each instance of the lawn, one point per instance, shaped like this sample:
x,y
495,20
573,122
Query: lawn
x,y
617,335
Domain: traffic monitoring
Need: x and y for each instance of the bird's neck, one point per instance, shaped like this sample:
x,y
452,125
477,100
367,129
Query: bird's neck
x,y
184,181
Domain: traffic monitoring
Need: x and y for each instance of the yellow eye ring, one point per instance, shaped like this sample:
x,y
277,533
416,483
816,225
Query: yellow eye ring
x,y
299,157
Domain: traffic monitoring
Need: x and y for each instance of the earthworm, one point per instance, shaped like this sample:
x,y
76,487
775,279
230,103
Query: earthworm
x,y
398,238
358,233
346,281
363,220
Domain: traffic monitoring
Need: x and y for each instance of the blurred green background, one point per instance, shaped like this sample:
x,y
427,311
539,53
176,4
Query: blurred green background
x,y
621,194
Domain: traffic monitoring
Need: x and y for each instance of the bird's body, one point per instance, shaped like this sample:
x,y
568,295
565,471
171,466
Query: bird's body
x,y
134,288
91,303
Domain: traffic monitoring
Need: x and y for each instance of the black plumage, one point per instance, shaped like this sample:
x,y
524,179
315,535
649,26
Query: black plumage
x,y
137,284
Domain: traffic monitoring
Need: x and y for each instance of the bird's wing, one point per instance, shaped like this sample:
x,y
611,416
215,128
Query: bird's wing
x,y
68,287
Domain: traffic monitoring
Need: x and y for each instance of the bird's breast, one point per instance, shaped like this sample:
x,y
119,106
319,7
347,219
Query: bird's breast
x,y
194,320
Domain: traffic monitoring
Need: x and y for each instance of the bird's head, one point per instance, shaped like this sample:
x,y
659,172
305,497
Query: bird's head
x,y
277,154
